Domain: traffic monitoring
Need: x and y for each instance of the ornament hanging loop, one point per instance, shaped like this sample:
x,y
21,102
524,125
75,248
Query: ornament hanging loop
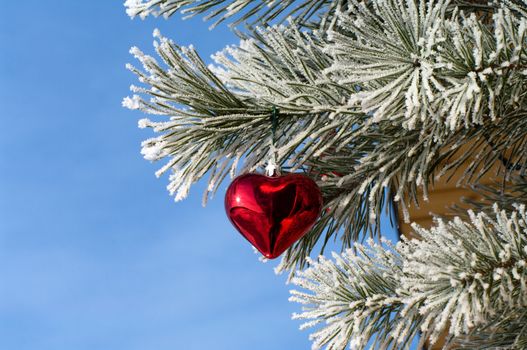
x,y
272,168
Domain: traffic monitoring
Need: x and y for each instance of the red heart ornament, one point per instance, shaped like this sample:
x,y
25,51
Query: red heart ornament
x,y
273,212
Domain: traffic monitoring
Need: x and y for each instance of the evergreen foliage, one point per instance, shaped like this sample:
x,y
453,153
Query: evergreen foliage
x,y
474,287
377,99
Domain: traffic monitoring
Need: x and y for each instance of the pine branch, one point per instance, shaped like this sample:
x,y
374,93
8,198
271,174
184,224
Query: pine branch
x,y
373,109
506,194
463,277
209,136
306,12
418,66
263,12
357,152
503,332
222,119
518,6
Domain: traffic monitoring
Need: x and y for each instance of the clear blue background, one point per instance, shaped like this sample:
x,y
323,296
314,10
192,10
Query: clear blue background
x,y
94,254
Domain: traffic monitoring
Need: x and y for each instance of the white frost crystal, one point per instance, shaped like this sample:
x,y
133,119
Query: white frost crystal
x,y
410,282
132,103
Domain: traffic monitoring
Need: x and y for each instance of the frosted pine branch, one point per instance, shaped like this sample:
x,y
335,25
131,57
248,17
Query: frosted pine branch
x,y
219,115
262,12
208,136
506,195
503,332
520,6
461,277
375,99
346,116
206,109
227,113
416,64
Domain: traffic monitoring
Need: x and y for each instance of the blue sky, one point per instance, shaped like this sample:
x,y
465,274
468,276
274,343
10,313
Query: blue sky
x,y
94,254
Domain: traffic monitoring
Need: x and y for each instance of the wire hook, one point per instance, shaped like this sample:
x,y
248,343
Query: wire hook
x,y
272,166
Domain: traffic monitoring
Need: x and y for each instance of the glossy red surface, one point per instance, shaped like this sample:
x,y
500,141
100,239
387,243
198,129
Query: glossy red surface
x,y
273,212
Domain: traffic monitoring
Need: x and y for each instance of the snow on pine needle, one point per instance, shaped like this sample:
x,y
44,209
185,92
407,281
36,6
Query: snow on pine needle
x,y
458,277
416,64
306,12
200,139
218,116
145,8
382,104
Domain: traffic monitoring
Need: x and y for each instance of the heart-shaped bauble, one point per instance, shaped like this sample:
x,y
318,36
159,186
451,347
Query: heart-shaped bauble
x,y
273,212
